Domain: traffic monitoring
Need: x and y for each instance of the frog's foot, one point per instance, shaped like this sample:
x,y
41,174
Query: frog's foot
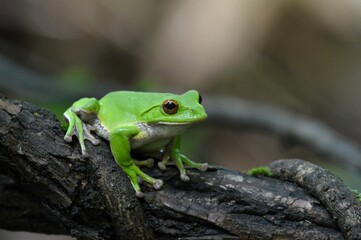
x,y
145,163
200,166
68,138
82,134
162,164
180,159
184,177
87,135
75,128
158,184
139,194
203,167
80,130
70,132
133,172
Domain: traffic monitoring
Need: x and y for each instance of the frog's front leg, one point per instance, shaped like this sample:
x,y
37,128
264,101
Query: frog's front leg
x,y
172,152
120,147
81,112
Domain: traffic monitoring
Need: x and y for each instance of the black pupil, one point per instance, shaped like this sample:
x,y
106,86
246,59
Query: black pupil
x,y
170,105
200,99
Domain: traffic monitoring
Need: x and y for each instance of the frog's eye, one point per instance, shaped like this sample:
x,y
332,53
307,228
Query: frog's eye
x,y
170,106
200,99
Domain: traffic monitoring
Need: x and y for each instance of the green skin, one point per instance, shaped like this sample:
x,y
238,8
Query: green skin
x,y
137,122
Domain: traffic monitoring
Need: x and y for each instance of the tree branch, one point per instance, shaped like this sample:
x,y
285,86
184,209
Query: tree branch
x,y
329,189
47,186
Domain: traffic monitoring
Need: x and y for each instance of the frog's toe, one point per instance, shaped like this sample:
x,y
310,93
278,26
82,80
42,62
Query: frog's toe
x,y
139,194
149,162
68,138
85,154
162,166
88,135
184,177
203,167
95,141
158,184
145,163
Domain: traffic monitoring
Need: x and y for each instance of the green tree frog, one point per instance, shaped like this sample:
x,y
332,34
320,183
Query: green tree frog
x,y
138,122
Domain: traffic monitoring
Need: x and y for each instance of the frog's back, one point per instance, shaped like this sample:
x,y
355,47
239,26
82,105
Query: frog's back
x,y
120,100
114,109
124,107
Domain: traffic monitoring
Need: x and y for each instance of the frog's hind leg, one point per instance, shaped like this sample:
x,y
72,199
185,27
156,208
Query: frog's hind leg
x,y
120,148
200,166
70,117
75,128
82,110
180,159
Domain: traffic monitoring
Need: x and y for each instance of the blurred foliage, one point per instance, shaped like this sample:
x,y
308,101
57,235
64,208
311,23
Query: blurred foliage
x,y
300,55
76,79
260,171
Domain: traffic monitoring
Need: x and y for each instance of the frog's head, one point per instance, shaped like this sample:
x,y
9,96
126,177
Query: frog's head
x,y
176,109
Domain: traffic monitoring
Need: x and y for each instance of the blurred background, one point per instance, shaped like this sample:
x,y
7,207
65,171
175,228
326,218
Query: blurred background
x,y
300,56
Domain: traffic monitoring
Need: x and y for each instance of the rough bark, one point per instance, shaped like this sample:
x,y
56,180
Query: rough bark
x,y
329,189
47,186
